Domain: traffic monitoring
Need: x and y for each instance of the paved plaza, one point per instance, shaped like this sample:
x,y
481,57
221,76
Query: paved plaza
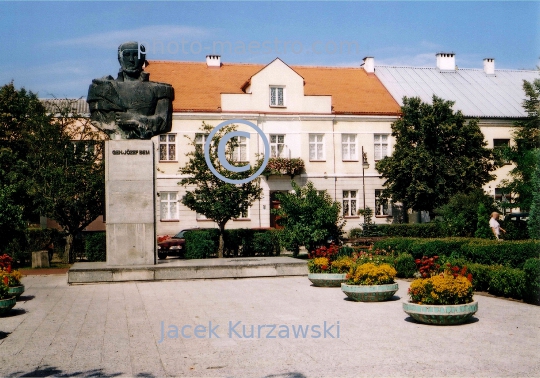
x,y
116,329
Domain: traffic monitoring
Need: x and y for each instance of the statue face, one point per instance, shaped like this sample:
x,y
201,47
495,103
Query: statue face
x,y
131,60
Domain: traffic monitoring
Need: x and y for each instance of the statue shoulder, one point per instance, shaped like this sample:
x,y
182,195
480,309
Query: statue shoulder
x,y
163,90
102,79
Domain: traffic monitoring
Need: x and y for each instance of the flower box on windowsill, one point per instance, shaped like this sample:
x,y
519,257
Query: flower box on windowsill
x,y
284,166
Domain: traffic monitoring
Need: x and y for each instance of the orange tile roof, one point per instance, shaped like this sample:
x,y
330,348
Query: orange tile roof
x,y
198,88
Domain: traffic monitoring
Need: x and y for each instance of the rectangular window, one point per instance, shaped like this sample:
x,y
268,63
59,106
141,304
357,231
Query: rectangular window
x,y
277,96
348,147
169,205
381,146
501,144
382,206
200,140
501,196
167,147
244,215
200,217
316,146
240,152
277,145
350,201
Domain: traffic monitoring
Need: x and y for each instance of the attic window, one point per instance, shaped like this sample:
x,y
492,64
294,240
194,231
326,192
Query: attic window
x,y
277,96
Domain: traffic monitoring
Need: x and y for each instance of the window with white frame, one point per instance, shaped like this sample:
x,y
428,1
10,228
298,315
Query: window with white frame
x,y
277,145
167,147
382,205
381,146
240,151
200,140
169,205
348,147
502,196
350,201
277,96
316,146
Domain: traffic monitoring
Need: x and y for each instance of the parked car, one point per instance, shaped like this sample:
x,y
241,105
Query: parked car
x,y
174,246
516,217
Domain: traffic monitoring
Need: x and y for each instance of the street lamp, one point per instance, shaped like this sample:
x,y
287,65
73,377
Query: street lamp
x,y
365,165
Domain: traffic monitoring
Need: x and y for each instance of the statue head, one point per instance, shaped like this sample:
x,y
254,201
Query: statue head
x,y
131,56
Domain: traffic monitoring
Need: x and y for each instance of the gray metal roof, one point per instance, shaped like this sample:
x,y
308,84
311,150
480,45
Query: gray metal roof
x,y
79,106
475,93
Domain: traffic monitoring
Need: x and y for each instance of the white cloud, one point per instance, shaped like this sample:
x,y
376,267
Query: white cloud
x,y
111,39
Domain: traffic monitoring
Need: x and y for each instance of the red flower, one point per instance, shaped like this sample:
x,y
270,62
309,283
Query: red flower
x,y
6,280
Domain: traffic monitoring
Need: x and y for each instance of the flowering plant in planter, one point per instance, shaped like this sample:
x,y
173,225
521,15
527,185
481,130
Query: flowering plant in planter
x,y
8,276
284,166
451,287
4,291
371,274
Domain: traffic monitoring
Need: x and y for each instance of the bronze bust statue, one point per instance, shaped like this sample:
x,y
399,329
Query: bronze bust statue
x,y
131,107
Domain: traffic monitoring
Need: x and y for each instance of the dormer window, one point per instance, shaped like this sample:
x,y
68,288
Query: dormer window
x,y
277,96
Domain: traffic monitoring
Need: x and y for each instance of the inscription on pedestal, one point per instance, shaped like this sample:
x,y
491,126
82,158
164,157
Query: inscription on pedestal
x,y
130,205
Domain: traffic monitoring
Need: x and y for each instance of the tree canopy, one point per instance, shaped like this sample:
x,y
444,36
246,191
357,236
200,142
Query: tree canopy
x,y
309,217
50,163
209,195
524,151
437,153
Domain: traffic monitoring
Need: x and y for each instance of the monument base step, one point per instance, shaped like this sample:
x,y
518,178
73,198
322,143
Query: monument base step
x,y
176,269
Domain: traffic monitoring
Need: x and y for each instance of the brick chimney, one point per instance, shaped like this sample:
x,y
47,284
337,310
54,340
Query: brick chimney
x,y
489,66
446,61
369,64
213,61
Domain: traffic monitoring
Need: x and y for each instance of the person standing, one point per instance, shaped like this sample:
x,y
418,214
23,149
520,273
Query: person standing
x,y
495,226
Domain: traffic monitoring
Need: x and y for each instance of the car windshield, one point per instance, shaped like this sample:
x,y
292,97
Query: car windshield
x,y
180,235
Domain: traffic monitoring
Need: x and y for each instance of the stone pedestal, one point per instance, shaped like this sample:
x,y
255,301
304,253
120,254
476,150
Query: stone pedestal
x,y
40,259
130,202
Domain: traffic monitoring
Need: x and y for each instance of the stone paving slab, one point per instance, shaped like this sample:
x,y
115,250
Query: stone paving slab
x,y
116,330
179,269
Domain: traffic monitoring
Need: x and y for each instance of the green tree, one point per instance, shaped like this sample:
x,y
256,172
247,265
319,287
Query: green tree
x,y
523,152
12,225
211,196
437,153
309,218
68,182
21,114
482,224
534,217
460,214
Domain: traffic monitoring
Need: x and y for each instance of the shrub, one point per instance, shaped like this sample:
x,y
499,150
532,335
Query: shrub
x,y
4,291
405,265
355,233
371,274
487,252
416,230
377,257
95,246
531,268
483,230
513,254
507,282
265,242
346,251
201,244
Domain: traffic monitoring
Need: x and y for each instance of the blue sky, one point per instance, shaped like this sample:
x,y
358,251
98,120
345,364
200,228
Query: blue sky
x,y
57,48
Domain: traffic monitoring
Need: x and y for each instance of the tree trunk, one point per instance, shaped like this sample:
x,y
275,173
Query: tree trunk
x,y
221,241
68,251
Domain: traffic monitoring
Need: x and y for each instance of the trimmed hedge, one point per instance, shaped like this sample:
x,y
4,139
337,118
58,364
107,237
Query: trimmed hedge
x,y
204,243
415,230
532,280
510,253
201,244
95,246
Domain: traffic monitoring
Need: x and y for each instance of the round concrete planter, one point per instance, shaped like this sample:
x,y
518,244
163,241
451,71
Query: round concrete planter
x,y
7,304
441,314
16,290
370,293
327,279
